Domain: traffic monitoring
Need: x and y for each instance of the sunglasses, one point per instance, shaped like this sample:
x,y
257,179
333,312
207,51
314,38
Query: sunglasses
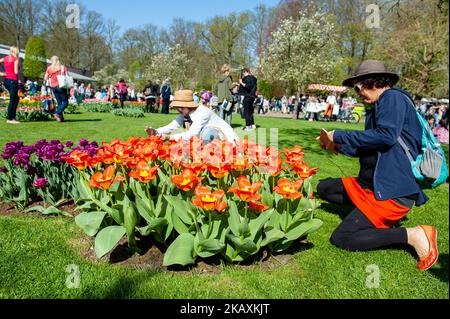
x,y
358,86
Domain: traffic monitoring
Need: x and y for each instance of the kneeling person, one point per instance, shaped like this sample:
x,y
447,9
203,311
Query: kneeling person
x,y
197,119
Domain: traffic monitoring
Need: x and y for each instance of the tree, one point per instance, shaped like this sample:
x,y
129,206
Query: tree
x,y
259,29
355,39
414,43
96,52
172,64
112,30
35,62
302,51
19,20
224,39
66,43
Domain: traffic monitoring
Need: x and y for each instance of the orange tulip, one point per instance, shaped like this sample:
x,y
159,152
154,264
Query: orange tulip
x,y
208,200
212,153
303,170
240,165
118,150
78,159
187,180
143,172
196,167
289,189
246,191
219,171
147,152
273,168
131,162
164,152
295,154
178,152
257,207
106,179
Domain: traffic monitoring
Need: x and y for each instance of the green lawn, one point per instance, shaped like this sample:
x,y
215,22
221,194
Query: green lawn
x,y
35,251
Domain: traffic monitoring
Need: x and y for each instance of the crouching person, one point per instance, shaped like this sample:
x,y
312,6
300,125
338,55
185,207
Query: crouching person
x,y
197,119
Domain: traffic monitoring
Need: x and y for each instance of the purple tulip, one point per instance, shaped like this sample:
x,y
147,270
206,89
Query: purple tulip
x,y
40,183
69,144
11,149
22,159
3,170
83,142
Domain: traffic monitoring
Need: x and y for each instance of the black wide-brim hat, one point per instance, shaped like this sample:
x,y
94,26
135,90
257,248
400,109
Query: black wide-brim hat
x,y
368,68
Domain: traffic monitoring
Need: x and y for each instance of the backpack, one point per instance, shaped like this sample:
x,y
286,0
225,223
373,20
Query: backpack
x,y
430,167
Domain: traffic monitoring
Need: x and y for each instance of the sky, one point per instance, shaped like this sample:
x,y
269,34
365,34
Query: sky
x,y
134,13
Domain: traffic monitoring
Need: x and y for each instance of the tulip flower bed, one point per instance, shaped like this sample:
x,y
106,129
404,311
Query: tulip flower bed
x,y
99,107
28,114
199,201
129,112
128,104
38,172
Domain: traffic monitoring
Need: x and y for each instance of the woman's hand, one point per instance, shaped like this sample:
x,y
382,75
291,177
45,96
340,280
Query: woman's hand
x,y
241,82
326,141
151,131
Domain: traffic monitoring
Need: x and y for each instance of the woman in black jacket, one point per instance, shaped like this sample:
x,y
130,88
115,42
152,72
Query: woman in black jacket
x,y
150,96
248,87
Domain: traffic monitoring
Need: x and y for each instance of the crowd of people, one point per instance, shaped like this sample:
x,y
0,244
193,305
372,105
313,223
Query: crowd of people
x,y
436,114
228,97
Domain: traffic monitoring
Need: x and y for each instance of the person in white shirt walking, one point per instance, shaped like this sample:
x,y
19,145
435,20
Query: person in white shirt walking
x,y
197,119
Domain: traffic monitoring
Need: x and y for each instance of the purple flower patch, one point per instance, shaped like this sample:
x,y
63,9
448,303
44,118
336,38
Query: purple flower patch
x,y
40,183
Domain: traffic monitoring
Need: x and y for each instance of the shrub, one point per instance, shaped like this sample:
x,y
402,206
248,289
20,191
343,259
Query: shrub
x,y
131,112
28,114
35,64
99,107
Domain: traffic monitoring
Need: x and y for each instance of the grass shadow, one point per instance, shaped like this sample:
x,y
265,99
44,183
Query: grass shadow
x,y
124,287
341,210
441,273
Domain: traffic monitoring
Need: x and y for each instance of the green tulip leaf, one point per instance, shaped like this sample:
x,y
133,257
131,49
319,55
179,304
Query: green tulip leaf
x,y
107,239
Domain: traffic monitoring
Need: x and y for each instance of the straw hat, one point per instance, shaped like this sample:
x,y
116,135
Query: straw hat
x,y
368,68
184,98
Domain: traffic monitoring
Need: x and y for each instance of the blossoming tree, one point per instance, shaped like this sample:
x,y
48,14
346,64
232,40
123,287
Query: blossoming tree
x,y
302,51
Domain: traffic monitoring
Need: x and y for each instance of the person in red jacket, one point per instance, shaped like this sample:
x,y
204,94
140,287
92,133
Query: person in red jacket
x,y
11,74
122,91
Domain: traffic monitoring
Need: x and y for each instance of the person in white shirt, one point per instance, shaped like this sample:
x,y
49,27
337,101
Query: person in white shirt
x,y
198,120
331,102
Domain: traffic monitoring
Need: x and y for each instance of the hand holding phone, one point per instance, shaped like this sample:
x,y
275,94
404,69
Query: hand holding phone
x,y
325,142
